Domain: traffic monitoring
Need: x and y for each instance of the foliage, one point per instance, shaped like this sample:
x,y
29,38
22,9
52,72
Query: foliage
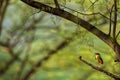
x,y
31,43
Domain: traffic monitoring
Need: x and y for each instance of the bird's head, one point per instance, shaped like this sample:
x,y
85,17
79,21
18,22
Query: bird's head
x,y
97,54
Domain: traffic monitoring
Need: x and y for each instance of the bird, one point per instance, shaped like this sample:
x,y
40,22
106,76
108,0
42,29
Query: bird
x,y
98,58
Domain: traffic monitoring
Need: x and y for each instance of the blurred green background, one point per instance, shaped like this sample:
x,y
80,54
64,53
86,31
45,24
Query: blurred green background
x,y
31,34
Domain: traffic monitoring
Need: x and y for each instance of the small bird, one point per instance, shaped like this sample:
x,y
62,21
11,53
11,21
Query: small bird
x,y
98,58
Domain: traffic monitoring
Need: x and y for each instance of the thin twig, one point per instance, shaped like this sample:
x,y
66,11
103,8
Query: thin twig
x,y
97,13
110,20
56,4
115,20
117,34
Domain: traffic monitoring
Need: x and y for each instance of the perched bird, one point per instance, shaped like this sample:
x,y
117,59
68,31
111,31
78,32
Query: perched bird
x,y
98,58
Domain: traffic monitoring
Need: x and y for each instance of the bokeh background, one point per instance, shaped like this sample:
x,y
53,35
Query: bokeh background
x,y
30,39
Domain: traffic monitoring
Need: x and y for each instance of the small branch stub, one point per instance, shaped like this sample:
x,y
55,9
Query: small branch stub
x,y
80,57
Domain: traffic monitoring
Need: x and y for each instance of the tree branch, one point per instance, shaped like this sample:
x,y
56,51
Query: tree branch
x,y
69,16
100,69
64,14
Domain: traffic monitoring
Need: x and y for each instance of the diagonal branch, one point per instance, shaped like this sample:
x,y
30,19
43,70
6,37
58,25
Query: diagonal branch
x,y
100,69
